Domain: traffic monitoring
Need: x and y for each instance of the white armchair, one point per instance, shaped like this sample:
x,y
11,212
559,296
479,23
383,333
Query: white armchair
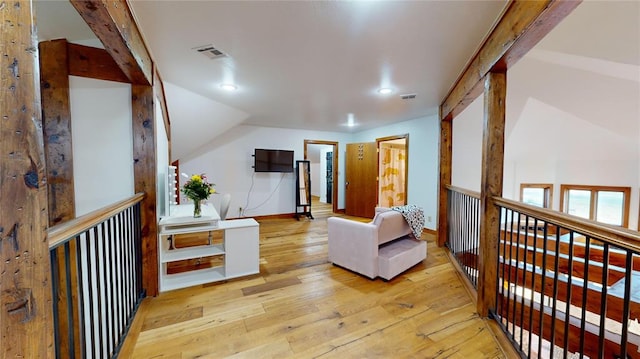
x,y
383,247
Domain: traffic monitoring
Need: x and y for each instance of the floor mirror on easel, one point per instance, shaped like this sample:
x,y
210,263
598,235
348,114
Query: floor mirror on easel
x,y
303,189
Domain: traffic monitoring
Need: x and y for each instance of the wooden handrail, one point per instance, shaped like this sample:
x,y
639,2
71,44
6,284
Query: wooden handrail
x,y
60,233
468,192
618,236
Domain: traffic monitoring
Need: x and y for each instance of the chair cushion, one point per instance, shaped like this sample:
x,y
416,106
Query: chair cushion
x,y
398,256
391,225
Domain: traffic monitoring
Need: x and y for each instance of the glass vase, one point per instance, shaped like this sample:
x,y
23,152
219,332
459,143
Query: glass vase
x,y
197,209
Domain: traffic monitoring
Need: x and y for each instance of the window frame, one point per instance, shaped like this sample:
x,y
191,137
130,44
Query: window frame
x,y
548,192
593,204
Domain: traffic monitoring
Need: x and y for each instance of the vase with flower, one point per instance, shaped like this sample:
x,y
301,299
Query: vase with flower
x,y
198,189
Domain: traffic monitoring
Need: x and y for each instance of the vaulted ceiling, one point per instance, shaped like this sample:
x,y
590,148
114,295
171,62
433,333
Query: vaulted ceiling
x,y
299,64
309,64
315,64
588,66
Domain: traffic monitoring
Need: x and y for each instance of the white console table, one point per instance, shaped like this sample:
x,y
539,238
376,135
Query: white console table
x,y
239,247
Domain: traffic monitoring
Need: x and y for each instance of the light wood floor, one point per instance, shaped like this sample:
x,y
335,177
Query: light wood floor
x,y
301,306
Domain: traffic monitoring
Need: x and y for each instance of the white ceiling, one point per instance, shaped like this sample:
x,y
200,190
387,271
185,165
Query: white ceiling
x,y
608,30
308,64
58,19
588,66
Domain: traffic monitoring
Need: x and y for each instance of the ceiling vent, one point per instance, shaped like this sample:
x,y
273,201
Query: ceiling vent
x,y
408,96
210,51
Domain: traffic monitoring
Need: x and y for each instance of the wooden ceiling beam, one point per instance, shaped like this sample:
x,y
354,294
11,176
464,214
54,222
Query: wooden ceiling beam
x,y
521,27
56,128
93,62
113,23
158,88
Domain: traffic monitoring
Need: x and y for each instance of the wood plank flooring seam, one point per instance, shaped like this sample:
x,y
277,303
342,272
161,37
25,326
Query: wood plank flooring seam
x,y
301,306
376,331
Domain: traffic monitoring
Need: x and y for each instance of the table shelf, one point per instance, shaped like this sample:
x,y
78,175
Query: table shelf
x,y
179,254
191,278
239,248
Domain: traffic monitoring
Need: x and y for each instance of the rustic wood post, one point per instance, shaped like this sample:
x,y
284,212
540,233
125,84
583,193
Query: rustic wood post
x,y
495,91
56,118
144,170
521,26
58,151
26,323
446,142
113,23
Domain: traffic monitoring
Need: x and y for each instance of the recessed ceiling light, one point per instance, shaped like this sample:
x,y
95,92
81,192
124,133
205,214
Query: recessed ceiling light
x,y
229,87
350,120
385,91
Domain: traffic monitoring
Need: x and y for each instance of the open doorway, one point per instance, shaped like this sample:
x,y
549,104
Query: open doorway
x,y
323,156
393,170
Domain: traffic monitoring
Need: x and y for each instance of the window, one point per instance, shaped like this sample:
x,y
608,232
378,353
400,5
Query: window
x,y
536,194
602,204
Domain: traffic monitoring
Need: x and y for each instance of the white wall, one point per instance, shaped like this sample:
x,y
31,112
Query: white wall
x,y
575,152
317,155
228,162
228,159
102,142
574,126
162,161
187,110
322,181
424,136
466,162
564,126
315,179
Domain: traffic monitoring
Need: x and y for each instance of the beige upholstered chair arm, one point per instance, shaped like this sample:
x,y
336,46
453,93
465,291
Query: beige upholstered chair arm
x,y
353,245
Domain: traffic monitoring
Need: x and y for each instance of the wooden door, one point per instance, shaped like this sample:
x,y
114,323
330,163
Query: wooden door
x,y
393,165
361,169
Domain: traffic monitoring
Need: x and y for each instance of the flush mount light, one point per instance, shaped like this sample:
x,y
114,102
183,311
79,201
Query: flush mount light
x,y
350,120
229,87
385,91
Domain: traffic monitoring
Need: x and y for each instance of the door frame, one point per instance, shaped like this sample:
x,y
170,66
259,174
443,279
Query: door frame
x,y
406,163
334,194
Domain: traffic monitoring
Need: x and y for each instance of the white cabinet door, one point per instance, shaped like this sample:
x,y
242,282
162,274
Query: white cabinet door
x,y
242,252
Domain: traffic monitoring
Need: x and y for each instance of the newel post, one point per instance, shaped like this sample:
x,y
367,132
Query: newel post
x,y
495,89
26,320
144,171
446,142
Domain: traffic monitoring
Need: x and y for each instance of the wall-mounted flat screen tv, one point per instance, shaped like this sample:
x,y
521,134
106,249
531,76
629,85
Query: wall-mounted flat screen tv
x,y
273,160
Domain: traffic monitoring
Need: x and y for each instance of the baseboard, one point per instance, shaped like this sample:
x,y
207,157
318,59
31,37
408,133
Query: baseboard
x,y
494,328
270,216
135,329
430,231
503,341
471,290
